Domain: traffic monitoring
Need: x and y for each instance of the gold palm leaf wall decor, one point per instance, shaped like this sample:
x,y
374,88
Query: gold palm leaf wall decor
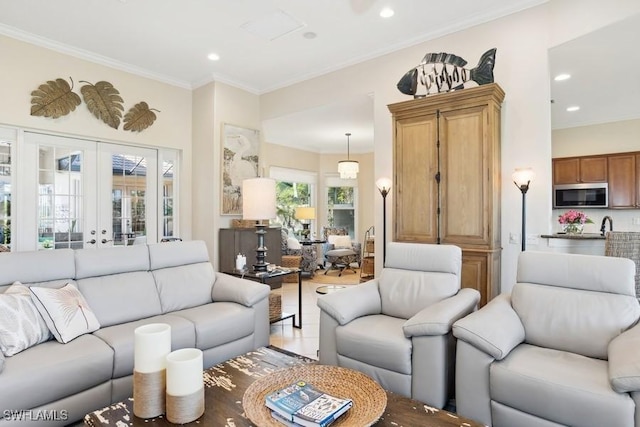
x,y
104,102
54,98
139,117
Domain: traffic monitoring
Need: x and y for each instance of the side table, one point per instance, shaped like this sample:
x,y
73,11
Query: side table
x,y
264,277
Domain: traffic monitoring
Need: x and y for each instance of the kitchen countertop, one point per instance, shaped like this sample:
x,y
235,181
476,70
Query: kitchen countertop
x,y
583,236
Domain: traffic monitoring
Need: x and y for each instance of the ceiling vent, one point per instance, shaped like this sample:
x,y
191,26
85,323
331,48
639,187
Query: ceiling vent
x,y
273,25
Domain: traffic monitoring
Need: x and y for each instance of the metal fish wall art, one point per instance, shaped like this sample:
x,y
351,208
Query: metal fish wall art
x,y
444,72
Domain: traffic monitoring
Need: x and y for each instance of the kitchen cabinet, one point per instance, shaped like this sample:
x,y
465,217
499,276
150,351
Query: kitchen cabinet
x,y
447,178
623,185
576,170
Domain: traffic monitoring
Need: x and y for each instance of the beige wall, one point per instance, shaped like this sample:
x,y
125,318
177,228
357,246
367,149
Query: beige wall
x,y
522,41
615,137
25,67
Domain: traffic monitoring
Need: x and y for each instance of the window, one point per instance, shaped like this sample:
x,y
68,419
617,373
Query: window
x,y
169,196
293,188
7,140
341,204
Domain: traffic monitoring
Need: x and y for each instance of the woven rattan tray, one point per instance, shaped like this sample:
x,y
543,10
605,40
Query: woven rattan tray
x,y
369,399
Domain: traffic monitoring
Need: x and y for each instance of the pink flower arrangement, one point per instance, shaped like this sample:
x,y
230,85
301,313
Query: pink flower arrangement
x,y
574,217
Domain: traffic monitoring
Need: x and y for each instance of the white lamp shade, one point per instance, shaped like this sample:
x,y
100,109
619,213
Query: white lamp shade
x,y
523,176
383,184
152,344
348,169
258,198
305,212
184,372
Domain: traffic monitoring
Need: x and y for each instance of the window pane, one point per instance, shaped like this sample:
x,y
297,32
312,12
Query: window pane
x,y
290,195
5,194
60,198
340,209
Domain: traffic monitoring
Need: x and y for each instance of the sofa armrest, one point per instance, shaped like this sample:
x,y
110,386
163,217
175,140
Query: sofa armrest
x,y
438,318
351,303
495,329
624,361
242,291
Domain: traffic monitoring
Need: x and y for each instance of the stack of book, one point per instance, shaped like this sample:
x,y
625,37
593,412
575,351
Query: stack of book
x,y
302,404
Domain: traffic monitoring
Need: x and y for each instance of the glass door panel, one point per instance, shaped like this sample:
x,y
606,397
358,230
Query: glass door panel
x,y
131,178
61,203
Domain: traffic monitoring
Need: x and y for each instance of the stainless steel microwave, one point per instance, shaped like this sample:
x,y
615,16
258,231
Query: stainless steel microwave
x,y
593,195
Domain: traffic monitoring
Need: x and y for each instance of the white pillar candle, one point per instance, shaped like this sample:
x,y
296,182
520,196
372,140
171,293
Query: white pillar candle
x,y
151,346
184,372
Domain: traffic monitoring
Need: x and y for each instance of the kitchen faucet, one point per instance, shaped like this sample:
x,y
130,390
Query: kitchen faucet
x,y
604,223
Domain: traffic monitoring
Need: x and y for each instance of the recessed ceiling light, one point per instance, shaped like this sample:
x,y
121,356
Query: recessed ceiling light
x,y
561,77
309,35
573,108
213,56
387,12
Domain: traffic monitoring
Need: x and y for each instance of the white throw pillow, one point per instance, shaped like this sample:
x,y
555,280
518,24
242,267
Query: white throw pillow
x,y
21,325
66,312
293,243
339,241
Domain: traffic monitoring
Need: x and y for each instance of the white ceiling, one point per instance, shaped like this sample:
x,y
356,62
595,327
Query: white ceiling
x,y
604,81
169,40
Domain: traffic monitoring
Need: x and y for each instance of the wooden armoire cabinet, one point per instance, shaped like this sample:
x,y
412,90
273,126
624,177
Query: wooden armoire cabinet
x,y
447,178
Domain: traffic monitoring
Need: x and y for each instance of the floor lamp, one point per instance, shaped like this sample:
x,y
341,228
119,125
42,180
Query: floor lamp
x,y
384,186
259,203
522,178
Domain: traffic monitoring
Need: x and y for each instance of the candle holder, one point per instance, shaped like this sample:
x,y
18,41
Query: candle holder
x,y
152,344
185,386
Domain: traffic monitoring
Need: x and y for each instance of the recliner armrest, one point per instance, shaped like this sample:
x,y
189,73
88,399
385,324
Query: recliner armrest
x,y
438,318
624,361
242,291
351,303
495,329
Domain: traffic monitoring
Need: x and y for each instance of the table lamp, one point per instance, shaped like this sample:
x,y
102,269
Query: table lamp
x,y
259,203
305,213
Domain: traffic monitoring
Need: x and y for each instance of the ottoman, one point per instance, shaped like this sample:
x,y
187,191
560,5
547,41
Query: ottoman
x,y
340,259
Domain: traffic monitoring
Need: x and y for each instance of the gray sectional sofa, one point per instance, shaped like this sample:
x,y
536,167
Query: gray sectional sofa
x,y
125,287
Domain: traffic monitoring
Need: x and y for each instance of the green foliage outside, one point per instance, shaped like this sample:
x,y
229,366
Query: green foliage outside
x,y
289,195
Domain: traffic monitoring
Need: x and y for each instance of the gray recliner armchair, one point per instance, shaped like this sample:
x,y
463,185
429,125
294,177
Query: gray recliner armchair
x,y
563,348
397,328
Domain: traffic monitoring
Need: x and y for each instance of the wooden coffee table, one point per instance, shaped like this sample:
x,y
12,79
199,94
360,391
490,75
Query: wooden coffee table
x,y
225,385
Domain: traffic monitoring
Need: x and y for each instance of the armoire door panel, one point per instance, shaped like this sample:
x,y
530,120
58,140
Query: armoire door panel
x,y
464,176
415,170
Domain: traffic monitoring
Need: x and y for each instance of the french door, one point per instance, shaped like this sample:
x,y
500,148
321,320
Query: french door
x,y
87,194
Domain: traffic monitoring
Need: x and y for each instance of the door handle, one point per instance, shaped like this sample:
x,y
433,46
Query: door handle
x,y
105,241
92,241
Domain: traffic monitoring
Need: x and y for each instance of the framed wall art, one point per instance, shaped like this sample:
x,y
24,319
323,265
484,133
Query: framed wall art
x,y
240,160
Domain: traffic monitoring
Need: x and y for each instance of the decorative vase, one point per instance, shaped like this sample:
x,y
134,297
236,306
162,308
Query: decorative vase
x,y
573,228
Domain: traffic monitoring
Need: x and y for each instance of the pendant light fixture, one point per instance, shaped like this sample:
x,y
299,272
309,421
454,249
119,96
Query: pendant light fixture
x,y
348,169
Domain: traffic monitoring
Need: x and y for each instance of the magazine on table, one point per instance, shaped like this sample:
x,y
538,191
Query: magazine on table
x,y
303,404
